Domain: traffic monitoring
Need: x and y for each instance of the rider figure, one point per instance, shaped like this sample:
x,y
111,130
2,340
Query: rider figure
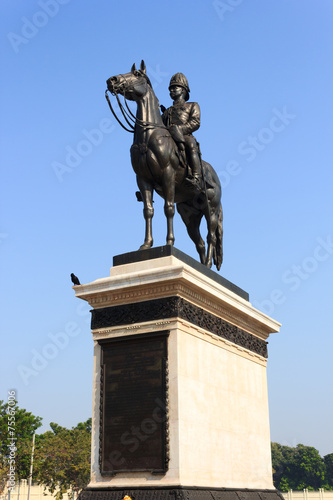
x,y
183,118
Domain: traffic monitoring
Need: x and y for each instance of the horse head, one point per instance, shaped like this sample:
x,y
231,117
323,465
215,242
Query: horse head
x,y
132,85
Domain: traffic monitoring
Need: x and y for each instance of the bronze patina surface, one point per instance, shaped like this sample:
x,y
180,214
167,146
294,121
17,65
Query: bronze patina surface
x,y
166,158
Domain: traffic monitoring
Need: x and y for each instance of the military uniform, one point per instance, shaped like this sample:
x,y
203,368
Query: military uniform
x,y
182,119
186,116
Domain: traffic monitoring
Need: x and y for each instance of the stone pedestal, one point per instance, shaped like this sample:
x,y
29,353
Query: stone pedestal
x,y
180,402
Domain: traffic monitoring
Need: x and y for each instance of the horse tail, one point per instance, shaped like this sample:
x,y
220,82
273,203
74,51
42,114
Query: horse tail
x,y
218,253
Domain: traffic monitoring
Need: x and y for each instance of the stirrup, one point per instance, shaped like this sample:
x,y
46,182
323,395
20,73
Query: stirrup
x,y
194,181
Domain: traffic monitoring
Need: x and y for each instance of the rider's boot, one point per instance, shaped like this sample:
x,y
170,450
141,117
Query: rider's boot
x,y
195,180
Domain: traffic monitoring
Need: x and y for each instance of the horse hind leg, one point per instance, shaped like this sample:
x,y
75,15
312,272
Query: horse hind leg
x,y
199,242
146,190
192,223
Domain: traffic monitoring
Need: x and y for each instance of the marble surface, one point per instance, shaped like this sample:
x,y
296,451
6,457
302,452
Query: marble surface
x,y
218,403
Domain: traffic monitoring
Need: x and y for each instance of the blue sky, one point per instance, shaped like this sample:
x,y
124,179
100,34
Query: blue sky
x,y
262,74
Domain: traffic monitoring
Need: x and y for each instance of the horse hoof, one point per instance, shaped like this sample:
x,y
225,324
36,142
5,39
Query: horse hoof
x,y
145,246
170,242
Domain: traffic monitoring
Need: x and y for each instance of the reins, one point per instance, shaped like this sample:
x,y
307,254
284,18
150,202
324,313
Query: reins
x,y
123,111
128,115
137,121
116,117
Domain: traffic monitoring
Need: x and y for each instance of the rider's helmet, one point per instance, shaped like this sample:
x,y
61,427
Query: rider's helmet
x,y
181,81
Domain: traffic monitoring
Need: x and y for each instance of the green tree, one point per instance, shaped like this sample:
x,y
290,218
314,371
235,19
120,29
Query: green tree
x,y
328,460
298,468
63,458
20,424
307,469
281,458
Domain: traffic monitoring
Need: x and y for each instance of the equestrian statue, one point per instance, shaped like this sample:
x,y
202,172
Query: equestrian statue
x,y
166,158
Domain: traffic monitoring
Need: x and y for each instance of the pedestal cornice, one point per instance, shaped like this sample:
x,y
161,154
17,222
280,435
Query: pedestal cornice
x,y
167,277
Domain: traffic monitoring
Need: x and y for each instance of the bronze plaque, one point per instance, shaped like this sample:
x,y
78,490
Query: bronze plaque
x,y
134,404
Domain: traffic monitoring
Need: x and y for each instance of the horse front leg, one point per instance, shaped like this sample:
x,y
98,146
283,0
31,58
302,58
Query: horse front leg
x,y
169,205
146,190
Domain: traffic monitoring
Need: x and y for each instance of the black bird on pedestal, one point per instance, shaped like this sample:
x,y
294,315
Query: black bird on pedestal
x,y
75,279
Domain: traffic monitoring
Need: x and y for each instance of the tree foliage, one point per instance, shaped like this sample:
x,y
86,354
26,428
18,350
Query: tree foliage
x,y
328,459
63,458
21,427
299,468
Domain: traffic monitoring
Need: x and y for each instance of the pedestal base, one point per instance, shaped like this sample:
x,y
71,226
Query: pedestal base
x,y
180,407
179,493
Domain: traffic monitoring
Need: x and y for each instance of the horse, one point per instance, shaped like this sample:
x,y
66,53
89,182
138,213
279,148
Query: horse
x,y
157,164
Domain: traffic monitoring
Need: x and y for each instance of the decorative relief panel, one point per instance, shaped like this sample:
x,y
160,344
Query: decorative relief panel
x,y
173,307
134,405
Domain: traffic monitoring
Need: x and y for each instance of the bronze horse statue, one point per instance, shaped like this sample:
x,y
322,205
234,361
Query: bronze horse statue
x,y
156,162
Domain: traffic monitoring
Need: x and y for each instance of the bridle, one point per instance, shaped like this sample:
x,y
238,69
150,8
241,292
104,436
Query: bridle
x,y
129,117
